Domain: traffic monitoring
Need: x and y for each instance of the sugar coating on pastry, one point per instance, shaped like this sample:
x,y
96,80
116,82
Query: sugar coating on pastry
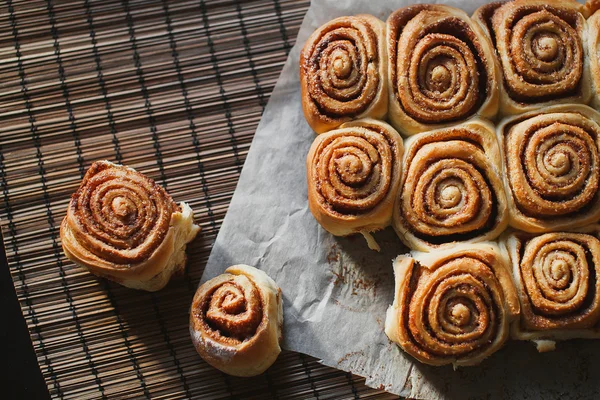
x,y
236,320
343,68
557,277
454,306
122,226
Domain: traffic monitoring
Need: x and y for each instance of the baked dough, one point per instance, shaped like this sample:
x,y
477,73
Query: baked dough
x,y
541,46
236,320
454,306
451,188
593,51
353,175
442,69
552,167
343,68
122,226
557,276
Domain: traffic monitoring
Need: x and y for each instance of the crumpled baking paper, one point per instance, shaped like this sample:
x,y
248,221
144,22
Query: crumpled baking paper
x,y
335,290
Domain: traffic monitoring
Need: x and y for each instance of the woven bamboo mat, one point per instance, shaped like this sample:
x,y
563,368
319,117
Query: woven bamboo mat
x,y
175,90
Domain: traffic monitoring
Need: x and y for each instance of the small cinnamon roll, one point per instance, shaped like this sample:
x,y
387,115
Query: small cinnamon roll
x,y
454,306
557,276
552,167
451,188
236,320
541,48
442,69
342,72
353,175
122,226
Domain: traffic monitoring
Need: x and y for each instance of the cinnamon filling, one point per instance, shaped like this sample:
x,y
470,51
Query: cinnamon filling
x,y
342,67
447,193
540,49
354,169
454,311
559,272
232,312
120,215
553,164
439,69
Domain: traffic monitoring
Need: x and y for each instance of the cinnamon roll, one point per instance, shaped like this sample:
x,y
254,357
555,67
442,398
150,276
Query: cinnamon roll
x,y
552,167
454,306
236,320
122,226
353,174
441,68
557,276
541,48
342,72
451,188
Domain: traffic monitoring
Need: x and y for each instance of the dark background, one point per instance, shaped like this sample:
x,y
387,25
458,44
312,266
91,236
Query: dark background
x,y
21,377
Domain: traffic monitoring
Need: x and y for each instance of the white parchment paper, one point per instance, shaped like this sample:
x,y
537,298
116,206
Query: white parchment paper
x,y
336,291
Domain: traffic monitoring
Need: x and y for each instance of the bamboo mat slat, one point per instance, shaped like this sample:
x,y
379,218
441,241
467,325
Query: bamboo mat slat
x,y
174,89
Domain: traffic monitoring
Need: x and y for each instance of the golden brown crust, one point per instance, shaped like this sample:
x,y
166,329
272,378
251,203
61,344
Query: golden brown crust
x,y
483,16
454,306
353,175
541,48
591,6
552,167
236,320
342,72
122,226
441,68
451,188
557,277
593,41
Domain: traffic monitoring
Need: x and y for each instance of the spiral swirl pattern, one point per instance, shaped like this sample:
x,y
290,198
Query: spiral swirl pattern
x,y
236,320
231,310
353,176
342,66
454,311
451,189
540,46
119,215
552,165
441,67
558,280
353,172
